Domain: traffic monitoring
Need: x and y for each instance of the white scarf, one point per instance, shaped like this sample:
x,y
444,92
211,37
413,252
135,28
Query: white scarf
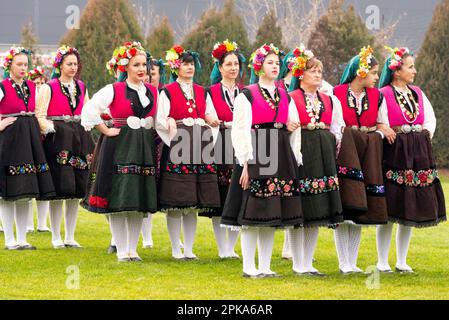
x,y
141,90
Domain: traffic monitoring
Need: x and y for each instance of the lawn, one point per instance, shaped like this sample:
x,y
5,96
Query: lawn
x,y
49,274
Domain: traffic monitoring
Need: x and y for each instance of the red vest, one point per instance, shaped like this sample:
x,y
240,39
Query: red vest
x,y
300,101
121,107
178,103
59,103
395,116
221,106
368,117
11,103
262,113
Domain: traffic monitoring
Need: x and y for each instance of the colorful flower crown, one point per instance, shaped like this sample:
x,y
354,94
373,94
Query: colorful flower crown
x,y
258,57
13,51
366,54
122,55
221,48
60,53
36,73
173,58
298,63
396,57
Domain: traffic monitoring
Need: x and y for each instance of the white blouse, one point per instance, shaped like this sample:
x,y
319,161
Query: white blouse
x,y
241,129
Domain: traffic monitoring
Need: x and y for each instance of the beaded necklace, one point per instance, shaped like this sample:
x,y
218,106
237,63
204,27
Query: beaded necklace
x,y
189,96
409,116
70,92
314,107
273,103
353,102
21,90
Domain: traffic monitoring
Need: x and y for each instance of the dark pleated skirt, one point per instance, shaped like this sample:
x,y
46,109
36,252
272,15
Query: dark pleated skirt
x,y
273,199
25,172
69,153
359,167
413,190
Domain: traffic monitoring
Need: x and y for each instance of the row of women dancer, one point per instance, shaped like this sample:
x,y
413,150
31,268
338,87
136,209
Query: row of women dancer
x,y
327,163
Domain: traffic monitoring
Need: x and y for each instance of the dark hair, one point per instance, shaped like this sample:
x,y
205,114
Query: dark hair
x,y
373,62
78,58
187,57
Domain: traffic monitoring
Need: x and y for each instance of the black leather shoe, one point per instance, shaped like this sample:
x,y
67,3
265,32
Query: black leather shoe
x,y
136,259
112,249
403,271
270,275
250,276
385,271
127,259
317,274
27,247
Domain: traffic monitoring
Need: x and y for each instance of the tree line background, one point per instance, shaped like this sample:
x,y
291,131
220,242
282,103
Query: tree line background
x,y
335,33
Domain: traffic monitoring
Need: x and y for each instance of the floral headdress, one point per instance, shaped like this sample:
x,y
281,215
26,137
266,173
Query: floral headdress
x,y
122,55
173,58
396,57
298,62
258,57
366,55
60,54
13,51
221,48
36,73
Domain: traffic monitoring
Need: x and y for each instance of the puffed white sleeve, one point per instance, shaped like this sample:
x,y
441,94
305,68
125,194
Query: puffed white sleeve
x,y
338,123
163,110
210,110
1,94
382,115
430,121
241,129
42,103
90,115
295,136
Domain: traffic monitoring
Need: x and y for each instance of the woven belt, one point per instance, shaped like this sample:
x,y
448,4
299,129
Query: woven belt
x,y
315,126
20,114
364,128
407,128
65,118
269,125
190,122
135,122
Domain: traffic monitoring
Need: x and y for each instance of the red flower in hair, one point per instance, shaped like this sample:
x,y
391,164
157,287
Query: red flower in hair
x,y
178,49
220,51
127,44
132,51
121,68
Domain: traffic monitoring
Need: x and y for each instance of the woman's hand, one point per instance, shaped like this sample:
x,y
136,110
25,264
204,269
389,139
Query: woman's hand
x,y
6,122
244,178
213,122
292,126
389,133
112,132
172,128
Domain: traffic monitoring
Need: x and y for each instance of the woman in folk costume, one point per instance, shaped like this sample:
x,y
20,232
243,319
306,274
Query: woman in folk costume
x,y
124,184
37,75
359,162
321,123
67,145
188,181
264,194
24,170
225,78
413,189
156,77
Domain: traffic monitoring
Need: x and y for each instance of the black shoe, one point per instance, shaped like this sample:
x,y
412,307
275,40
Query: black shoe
x,y
136,259
16,247
45,230
250,276
112,249
384,271
403,271
27,247
127,259
270,275
317,274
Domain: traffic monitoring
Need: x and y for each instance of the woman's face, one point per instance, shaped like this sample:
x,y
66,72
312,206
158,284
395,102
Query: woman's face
x,y
270,66
230,68
313,77
39,82
186,70
19,66
371,78
407,72
155,76
69,66
137,68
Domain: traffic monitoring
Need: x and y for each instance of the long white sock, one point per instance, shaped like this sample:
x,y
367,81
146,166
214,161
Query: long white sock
x,y
30,221
7,209
249,243
22,214
286,249
296,239
147,229
134,225
232,240
55,219
403,237
266,241
189,222
220,237
112,243
355,234
383,240
42,214
71,214
174,231
341,236
120,233
310,241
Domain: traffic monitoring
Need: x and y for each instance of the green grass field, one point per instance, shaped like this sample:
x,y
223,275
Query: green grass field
x,y
45,273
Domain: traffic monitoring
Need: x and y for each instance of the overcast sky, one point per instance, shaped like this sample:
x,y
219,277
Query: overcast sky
x,y
49,16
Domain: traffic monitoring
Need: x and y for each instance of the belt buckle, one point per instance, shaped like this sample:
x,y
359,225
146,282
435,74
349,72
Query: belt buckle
x,y
354,127
416,128
77,118
66,118
321,126
311,126
364,129
147,123
406,128
200,122
278,125
188,122
133,122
